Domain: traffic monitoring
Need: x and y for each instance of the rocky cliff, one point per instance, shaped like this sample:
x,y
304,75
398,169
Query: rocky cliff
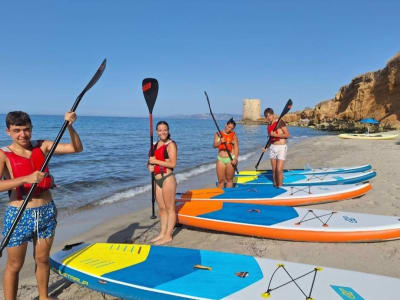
x,y
371,95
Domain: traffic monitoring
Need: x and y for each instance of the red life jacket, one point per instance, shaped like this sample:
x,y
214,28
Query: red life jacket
x,y
161,154
21,166
229,138
270,129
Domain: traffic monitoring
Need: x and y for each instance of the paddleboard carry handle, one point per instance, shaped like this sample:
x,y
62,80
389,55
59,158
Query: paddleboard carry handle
x,y
201,267
70,246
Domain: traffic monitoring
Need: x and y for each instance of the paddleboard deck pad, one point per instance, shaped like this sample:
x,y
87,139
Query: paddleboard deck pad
x,y
131,271
309,171
292,179
287,195
288,223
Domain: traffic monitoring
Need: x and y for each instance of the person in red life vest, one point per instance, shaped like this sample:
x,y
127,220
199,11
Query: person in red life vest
x,y
226,141
20,163
278,149
162,164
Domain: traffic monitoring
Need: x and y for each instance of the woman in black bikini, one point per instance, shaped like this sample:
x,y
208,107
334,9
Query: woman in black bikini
x,y
162,164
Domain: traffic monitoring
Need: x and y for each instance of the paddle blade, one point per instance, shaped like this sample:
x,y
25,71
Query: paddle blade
x,y
208,100
287,107
91,83
97,76
150,92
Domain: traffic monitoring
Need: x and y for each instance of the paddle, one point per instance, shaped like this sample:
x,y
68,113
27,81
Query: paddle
x,y
28,197
219,132
285,110
150,92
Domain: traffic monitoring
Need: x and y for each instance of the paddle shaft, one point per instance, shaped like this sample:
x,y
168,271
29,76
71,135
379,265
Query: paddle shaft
x,y
153,198
150,92
28,197
219,133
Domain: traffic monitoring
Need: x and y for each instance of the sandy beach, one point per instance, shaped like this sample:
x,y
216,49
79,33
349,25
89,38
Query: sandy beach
x,y
327,151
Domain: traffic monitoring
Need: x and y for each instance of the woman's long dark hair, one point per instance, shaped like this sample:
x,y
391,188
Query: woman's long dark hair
x,y
166,124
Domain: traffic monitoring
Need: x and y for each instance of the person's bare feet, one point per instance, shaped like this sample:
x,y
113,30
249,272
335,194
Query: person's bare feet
x,y
163,241
159,237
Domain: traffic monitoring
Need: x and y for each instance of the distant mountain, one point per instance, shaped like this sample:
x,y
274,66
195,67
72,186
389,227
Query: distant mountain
x,y
205,116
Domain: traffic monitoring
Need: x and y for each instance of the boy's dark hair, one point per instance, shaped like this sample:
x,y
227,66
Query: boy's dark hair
x,y
17,118
231,121
268,111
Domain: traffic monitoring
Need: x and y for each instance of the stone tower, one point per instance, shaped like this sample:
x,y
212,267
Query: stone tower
x,y
251,109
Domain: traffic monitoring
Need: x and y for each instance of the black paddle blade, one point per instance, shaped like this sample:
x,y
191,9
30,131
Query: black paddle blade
x,y
211,113
219,131
96,76
150,92
91,83
287,107
208,99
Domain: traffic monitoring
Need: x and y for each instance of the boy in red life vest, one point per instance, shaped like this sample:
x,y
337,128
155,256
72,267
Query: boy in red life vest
x,y
278,148
20,163
225,141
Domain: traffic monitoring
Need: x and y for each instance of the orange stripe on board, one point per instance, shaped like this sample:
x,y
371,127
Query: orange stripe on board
x,y
286,201
203,193
292,235
199,208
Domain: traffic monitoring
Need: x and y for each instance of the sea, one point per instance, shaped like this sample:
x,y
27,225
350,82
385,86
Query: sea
x,y
112,166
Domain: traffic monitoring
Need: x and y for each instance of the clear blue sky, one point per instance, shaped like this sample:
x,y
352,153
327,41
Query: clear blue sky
x,y
272,50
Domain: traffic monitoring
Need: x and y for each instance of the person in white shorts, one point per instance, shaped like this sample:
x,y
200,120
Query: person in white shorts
x,y
278,148
278,152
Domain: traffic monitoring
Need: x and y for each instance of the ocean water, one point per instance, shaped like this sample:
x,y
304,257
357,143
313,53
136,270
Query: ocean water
x,y
112,166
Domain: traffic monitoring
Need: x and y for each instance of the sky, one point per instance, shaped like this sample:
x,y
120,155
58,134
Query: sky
x,y
271,50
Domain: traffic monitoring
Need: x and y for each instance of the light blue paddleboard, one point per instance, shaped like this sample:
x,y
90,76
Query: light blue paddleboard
x,y
308,171
307,180
131,271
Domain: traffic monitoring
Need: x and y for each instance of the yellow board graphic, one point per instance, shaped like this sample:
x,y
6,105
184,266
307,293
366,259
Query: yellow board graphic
x,y
244,179
250,172
102,258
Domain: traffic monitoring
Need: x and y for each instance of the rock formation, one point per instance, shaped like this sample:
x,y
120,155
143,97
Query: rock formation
x,y
371,95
